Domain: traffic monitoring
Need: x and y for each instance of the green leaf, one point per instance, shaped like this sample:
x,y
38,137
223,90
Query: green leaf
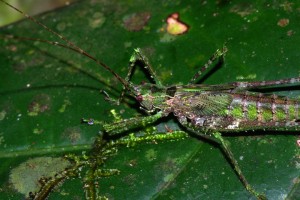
x,y
45,90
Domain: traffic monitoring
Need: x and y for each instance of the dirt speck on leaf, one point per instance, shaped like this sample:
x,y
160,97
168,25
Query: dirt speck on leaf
x,y
283,22
73,134
136,21
151,155
242,9
97,20
2,115
39,104
67,102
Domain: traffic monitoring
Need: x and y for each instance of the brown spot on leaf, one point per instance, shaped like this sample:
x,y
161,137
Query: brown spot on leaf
x,y
287,6
242,9
130,179
73,134
283,22
136,21
12,48
22,64
132,163
39,104
290,33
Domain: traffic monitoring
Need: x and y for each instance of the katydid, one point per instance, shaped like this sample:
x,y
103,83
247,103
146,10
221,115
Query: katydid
x,y
203,110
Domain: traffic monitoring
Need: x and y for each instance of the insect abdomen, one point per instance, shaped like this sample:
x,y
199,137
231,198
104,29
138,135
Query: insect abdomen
x,y
264,109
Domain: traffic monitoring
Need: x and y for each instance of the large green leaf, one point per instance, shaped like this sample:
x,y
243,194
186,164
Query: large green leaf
x,y
44,94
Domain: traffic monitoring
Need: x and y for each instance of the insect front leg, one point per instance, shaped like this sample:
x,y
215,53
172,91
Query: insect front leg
x,y
137,56
131,123
124,125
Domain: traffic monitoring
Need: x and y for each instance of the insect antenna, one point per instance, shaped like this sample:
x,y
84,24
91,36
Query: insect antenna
x,y
70,45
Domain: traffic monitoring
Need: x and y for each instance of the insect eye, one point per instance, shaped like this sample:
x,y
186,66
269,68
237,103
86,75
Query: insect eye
x,y
139,98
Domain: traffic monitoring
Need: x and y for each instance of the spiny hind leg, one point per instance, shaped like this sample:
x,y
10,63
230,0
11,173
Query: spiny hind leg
x,y
217,138
224,144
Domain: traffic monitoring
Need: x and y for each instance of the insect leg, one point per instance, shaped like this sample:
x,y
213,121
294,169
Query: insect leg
x,y
124,125
133,139
136,56
91,187
264,84
242,86
226,149
131,123
218,139
218,54
139,56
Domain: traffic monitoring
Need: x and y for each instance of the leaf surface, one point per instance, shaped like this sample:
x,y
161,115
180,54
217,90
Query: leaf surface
x,y
45,90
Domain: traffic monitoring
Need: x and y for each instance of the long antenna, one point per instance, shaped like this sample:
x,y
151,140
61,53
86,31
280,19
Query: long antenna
x,y
71,45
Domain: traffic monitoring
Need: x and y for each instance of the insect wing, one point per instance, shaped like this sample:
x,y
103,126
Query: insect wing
x,y
202,101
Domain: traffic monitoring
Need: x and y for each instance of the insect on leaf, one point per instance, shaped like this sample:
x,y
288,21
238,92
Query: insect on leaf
x,y
45,91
